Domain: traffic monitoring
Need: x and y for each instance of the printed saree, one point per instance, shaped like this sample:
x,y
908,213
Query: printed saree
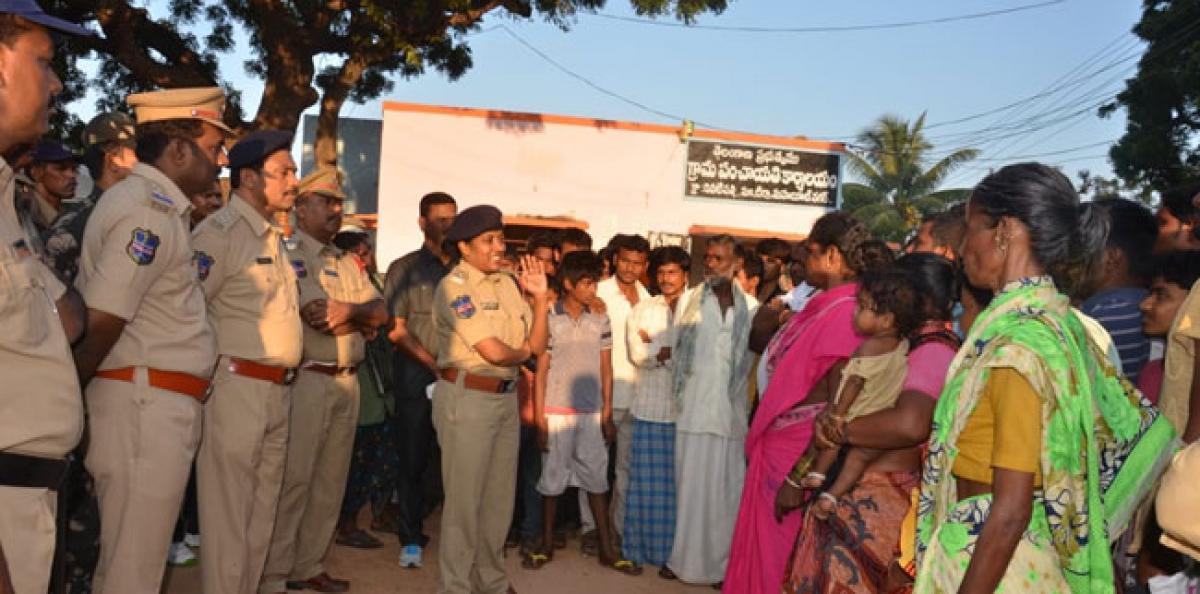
x,y
1097,432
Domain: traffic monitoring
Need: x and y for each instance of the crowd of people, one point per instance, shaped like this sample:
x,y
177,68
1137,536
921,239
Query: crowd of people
x,y
1006,402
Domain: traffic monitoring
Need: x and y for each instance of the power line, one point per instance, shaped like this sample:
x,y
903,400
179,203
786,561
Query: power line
x,y
831,28
596,87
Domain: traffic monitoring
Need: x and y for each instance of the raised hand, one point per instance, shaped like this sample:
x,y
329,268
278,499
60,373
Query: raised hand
x,y
533,276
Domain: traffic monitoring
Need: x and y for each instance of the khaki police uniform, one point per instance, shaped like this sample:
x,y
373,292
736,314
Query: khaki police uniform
x,y
478,430
323,419
253,305
41,413
145,401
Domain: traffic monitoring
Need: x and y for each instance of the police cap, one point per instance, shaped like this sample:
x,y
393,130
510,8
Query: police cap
x,y
474,221
256,146
198,103
326,182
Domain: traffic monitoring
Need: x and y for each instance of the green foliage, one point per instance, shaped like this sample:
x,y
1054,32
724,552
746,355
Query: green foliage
x,y
897,185
371,43
1162,101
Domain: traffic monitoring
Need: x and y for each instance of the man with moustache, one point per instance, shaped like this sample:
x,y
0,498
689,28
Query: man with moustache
x,y
339,306
55,175
41,414
253,303
709,383
148,353
408,288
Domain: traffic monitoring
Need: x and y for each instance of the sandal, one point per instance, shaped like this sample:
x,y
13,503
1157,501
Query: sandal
x,y
358,539
666,573
624,566
536,559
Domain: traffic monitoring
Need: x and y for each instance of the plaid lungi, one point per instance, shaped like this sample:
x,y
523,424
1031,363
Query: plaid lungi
x,y
650,500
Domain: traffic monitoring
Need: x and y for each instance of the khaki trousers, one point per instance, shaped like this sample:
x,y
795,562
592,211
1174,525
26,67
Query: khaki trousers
x,y
27,536
238,475
323,419
140,453
479,434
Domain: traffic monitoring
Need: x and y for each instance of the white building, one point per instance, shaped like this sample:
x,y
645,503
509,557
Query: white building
x,y
605,176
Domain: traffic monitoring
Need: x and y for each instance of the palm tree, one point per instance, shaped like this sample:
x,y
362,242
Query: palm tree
x,y
897,188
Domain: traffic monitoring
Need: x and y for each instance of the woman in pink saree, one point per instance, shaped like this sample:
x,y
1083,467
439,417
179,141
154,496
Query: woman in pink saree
x,y
802,354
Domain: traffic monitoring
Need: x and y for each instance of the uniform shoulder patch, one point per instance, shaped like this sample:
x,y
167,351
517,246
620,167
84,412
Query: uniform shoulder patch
x,y
204,264
162,198
463,307
143,244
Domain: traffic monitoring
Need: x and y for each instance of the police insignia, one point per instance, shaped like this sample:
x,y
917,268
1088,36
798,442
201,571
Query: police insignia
x,y
463,307
204,264
143,243
330,272
300,269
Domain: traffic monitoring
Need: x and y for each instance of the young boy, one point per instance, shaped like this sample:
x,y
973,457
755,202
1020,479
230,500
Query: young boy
x,y
573,407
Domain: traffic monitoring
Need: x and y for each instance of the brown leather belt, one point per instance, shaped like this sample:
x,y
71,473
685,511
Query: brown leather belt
x,y
172,381
276,374
329,369
482,383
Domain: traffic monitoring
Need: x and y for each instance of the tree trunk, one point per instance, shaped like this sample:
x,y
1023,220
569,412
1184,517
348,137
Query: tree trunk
x,y
325,145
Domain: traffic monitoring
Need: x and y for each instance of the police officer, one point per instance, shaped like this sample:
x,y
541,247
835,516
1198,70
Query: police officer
x,y
485,331
253,304
338,305
41,414
55,175
148,342
111,142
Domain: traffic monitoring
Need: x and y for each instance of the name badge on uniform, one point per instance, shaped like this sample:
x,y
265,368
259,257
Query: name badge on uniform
x,y
330,272
463,307
300,269
493,306
264,260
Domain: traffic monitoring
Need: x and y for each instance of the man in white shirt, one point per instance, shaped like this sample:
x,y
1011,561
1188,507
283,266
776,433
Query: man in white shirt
x,y
709,384
649,529
620,293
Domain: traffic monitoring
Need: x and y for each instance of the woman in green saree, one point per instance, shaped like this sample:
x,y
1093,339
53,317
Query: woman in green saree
x,y
1013,489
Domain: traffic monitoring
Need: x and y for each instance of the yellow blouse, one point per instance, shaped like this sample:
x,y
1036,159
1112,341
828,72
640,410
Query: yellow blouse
x,y
1004,430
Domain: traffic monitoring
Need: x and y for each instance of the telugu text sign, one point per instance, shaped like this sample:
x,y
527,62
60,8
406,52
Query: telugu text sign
x,y
760,173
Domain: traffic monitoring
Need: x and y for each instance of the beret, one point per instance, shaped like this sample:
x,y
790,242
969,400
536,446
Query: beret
x,y
256,146
474,221
51,151
30,11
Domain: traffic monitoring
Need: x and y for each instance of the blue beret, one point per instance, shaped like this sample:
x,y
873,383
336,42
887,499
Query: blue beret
x,y
474,221
256,146
51,151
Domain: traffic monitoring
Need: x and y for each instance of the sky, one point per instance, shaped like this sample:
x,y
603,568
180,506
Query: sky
x,y
1018,86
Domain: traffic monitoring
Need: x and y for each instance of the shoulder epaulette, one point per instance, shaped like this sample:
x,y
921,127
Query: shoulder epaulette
x,y
223,219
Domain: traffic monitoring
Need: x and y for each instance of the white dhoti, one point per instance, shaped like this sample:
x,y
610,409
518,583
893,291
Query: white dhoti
x,y
709,472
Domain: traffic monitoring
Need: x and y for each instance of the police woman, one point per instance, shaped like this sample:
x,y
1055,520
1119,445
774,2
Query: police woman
x,y
485,331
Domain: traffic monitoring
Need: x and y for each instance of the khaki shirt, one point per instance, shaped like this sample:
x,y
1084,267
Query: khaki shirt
x,y
470,306
1180,358
136,263
41,411
325,272
253,300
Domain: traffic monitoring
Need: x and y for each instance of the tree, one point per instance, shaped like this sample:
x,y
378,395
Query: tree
x,y
371,41
1162,101
1095,187
897,187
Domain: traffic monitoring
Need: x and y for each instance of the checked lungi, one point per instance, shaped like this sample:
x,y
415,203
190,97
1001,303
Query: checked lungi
x,y
650,501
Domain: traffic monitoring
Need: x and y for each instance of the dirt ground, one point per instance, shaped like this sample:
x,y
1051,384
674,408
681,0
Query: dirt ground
x,y
377,571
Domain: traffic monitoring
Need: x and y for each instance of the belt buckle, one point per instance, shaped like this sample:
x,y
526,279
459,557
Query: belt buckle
x,y
289,376
507,386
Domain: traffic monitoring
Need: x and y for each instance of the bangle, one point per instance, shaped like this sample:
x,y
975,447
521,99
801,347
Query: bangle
x,y
789,480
